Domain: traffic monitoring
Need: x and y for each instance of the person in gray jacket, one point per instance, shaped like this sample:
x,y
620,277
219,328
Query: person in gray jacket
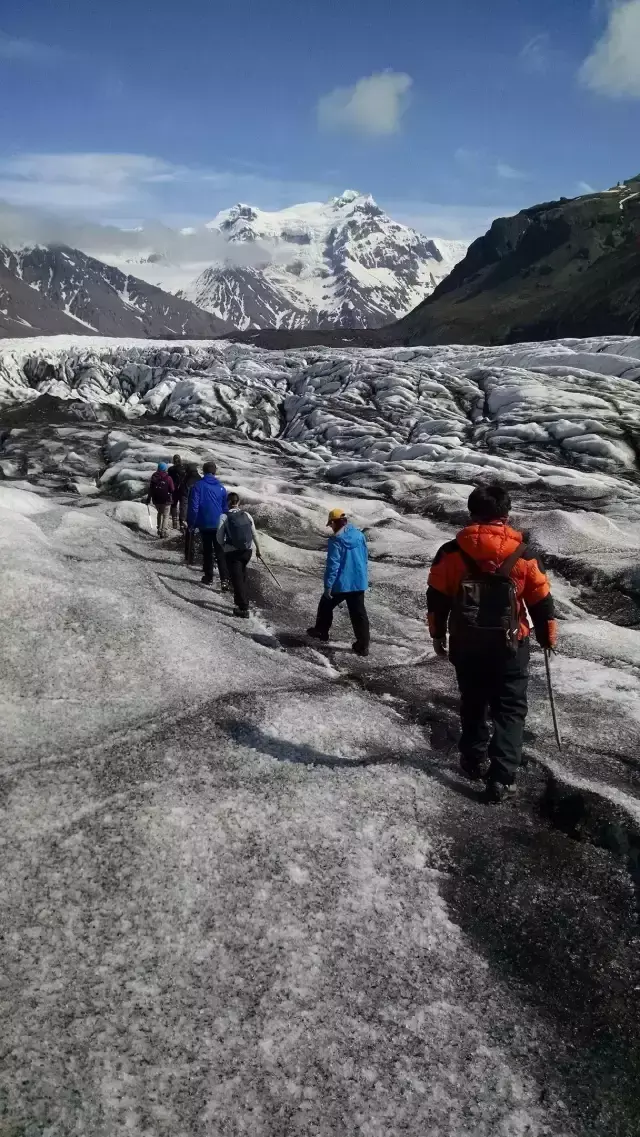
x,y
237,536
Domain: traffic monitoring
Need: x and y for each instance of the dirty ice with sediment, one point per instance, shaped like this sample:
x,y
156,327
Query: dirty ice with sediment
x,y
244,889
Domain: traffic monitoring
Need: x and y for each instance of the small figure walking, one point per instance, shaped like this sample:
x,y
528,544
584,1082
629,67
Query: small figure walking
x,y
346,579
481,587
161,495
237,536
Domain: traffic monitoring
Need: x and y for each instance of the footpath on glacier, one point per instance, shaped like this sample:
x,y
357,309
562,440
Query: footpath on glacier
x,y
244,889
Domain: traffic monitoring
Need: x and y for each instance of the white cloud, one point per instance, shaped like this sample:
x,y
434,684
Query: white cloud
x,y
613,68
66,198
585,187
15,50
81,181
373,106
504,170
536,54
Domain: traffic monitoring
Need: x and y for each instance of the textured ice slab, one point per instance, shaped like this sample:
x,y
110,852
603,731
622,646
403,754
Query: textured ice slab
x,y
560,419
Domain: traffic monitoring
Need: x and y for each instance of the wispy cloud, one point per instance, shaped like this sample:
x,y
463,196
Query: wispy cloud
x,y
585,187
110,184
510,173
536,54
613,67
13,49
453,222
65,198
373,106
484,165
88,181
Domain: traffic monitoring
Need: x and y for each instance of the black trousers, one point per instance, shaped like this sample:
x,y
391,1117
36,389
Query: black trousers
x,y
211,548
357,612
237,564
500,691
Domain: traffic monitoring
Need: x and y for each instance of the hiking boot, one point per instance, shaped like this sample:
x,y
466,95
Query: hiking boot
x,y
243,613
316,635
497,792
360,649
206,580
225,586
473,768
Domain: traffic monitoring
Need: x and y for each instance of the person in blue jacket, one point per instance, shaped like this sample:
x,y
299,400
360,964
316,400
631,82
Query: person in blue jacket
x,y
207,503
346,578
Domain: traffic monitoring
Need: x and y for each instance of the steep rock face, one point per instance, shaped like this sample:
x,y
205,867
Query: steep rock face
x,y
341,263
59,290
564,268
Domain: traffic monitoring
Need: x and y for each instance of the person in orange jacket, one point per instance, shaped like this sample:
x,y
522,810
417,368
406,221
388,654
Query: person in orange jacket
x,y
482,587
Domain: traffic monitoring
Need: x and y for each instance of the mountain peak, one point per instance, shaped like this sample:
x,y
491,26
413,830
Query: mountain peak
x,y
346,198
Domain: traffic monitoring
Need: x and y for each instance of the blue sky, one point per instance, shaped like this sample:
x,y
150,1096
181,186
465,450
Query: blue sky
x,y
449,114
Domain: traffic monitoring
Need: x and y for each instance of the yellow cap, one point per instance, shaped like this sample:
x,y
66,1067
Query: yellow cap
x,y
336,514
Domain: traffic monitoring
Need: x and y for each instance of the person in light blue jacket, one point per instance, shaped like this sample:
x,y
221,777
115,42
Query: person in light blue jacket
x,y
346,577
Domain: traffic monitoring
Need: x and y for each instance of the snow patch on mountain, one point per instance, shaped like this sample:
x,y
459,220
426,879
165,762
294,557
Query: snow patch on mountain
x,y
342,263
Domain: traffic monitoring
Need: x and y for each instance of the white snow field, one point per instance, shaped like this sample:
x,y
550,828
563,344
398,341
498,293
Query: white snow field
x,y
243,888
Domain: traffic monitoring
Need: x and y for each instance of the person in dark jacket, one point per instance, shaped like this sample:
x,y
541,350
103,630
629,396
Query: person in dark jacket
x,y
237,535
492,677
346,578
161,494
178,473
207,503
192,475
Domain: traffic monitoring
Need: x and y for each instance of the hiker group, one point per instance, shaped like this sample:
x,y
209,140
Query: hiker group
x,y
202,504
486,589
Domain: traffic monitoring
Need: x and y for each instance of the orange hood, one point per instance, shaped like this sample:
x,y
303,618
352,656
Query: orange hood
x,y
490,544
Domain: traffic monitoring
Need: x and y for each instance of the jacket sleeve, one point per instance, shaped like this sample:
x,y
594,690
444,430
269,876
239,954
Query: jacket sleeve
x,y
440,591
220,532
538,599
194,505
333,564
172,488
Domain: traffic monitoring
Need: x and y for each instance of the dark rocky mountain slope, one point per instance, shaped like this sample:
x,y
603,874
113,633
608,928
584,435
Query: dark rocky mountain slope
x,y
46,290
563,268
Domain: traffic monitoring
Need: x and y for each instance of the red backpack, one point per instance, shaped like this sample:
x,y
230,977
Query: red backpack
x,y
161,488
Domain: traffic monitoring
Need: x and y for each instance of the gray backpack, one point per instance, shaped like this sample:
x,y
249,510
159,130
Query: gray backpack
x,y
238,531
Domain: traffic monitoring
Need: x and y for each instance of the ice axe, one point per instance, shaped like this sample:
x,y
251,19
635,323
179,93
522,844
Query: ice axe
x,y
552,701
272,574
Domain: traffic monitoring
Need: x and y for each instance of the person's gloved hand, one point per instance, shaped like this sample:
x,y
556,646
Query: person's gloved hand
x,y
440,647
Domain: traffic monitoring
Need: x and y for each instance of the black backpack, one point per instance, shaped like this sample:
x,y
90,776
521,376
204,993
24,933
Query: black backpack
x,y
485,616
238,531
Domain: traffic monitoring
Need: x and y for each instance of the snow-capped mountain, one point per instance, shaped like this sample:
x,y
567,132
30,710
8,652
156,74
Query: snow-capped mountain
x,y
341,263
62,290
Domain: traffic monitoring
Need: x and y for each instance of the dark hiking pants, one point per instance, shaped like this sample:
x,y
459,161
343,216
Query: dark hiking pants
x,y
497,690
210,549
357,612
237,562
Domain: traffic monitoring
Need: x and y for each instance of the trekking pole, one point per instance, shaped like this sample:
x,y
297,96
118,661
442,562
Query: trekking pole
x,y
551,698
263,562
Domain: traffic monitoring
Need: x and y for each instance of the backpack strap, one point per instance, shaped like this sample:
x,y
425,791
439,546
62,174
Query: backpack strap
x,y
473,566
507,567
